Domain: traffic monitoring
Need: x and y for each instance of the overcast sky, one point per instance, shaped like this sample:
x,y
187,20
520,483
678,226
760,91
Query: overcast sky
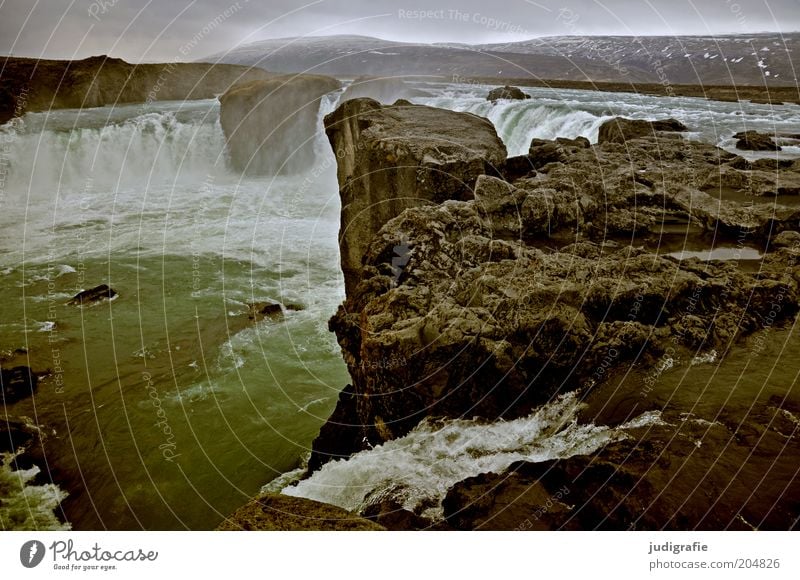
x,y
157,29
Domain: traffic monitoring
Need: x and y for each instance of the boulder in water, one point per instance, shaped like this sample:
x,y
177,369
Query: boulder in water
x,y
621,130
755,141
93,295
270,125
17,383
507,92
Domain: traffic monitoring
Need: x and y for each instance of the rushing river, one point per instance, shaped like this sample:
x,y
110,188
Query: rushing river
x,y
167,408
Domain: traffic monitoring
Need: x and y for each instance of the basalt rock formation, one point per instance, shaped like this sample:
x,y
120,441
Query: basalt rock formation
x,y
391,158
17,383
270,125
497,296
507,92
30,85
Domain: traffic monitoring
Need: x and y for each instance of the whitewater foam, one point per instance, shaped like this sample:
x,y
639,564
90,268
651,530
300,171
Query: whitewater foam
x,y
25,505
418,469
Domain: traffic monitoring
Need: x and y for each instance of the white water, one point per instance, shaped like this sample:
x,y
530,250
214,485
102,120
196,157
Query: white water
x,y
551,113
419,468
25,505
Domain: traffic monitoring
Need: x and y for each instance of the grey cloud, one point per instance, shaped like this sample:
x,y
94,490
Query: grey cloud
x,y
140,30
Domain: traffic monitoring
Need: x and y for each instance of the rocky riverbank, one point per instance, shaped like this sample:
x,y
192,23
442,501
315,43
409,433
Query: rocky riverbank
x,y
475,291
31,85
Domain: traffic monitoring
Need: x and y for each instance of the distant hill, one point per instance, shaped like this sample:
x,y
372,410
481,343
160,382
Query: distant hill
x,y
753,59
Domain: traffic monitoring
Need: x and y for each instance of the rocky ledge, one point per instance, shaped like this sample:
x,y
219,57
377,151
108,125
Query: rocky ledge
x,y
491,294
273,512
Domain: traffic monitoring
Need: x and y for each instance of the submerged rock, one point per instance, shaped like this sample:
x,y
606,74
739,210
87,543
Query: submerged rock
x,y
17,383
394,158
93,295
755,141
270,125
507,92
275,512
620,129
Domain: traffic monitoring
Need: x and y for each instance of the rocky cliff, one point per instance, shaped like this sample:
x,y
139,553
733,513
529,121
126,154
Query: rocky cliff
x,y
42,85
486,296
391,158
270,125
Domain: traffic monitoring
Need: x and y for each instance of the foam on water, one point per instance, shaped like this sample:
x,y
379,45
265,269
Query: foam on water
x,y
418,469
551,113
24,505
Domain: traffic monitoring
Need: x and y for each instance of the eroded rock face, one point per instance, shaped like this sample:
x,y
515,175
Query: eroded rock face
x,y
397,157
488,305
507,92
620,129
270,125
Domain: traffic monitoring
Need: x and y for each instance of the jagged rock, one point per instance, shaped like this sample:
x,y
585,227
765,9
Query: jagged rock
x,y
621,130
755,141
385,90
270,124
501,301
543,152
275,512
631,484
507,92
93,295
17,383
393,158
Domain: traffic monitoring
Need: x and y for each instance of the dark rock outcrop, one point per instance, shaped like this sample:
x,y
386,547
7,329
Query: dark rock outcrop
x,y
507,92
17,383
42,85
93,295
632,483
755,141
394,158
275,512
270,125
496,301
621,130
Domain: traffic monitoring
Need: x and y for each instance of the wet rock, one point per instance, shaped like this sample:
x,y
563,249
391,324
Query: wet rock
x,y
507,92
631,484
755,141
93,296
497,301
393,158
270,124
276,512
260,310
621,130
393,516
17,383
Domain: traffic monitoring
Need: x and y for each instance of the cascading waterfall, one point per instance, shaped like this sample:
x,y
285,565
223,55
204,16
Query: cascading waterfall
x,y
418,469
